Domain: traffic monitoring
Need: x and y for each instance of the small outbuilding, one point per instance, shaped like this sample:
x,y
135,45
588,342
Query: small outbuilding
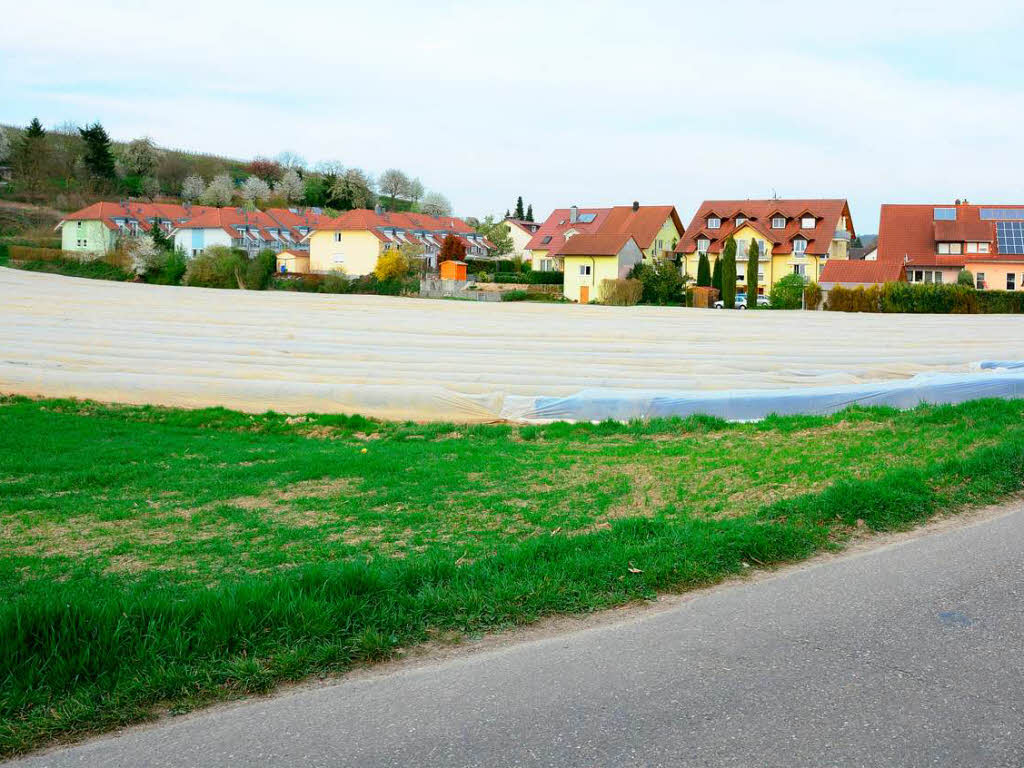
x,y
293,261
453,270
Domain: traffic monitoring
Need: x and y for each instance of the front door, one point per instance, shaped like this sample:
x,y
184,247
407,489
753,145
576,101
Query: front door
x,y
584,294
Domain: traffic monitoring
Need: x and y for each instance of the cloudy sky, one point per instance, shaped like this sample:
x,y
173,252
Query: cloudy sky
x,y
584,102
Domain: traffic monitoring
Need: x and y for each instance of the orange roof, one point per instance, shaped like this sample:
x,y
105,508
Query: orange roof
x,y
910,233
643,224
827,214
107,212
861,272
603,244
551,234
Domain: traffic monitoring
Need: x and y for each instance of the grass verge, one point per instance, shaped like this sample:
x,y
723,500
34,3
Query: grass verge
x,y
157,559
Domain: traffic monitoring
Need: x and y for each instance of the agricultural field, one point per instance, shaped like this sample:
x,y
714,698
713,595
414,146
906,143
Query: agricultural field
x,y
155,559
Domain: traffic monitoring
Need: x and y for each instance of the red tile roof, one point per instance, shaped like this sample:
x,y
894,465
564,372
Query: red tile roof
x,y
643,224
558,223
910,233
106,212
529,227
861,272
365,220
600,244
759,213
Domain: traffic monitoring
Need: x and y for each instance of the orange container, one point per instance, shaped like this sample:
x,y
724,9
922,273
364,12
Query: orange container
x,y
453,270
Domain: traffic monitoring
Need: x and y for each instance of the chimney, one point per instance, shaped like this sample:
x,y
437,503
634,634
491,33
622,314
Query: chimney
x,y
574,214
378,209
636,206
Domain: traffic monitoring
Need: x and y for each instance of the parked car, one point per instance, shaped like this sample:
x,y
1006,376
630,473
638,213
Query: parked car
x,y
741,301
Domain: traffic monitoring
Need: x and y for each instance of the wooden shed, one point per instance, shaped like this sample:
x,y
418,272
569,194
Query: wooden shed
x,y
293,261
453,270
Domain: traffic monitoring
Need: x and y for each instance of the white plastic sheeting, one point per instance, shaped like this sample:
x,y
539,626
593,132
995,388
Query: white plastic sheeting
x,y
431,360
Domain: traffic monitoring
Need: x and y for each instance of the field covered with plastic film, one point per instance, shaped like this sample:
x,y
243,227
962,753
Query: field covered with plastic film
x,y
413,359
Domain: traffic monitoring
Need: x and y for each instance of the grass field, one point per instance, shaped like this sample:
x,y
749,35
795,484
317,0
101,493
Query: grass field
x,y
154,559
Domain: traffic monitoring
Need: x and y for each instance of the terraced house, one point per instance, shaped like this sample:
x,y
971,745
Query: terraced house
x,y
655,229
355,240
792,236
276,229
94,230
934,243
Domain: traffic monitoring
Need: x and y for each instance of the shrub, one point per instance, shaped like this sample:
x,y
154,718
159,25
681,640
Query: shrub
x,y
529,278
515,296
259,270
859,299
164,268
786,293
94,269
216,267
662,282
33,253
965,278
998,302
621,293
812,295
934,298
392,264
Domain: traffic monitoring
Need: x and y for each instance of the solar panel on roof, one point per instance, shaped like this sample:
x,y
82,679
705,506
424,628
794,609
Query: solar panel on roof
x,y
993,214
1010,235
945,214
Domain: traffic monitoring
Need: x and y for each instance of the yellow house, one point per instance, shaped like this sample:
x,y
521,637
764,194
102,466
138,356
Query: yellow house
x,y
792,236
521,233
590,258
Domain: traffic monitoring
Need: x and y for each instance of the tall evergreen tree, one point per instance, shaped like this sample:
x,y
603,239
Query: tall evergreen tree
x,y
35,129
508,213
753,256
703,270
520,214
529,212
30,156
99,158
729,274
716,275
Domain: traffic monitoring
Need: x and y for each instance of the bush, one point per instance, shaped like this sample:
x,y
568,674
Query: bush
x,y
530,296
787,292
859,299
34,253
812,295
164,268
391,265
259,270
662,282
999,302
216,267
94,269
918,298
515,296
621,293
965,278
529,278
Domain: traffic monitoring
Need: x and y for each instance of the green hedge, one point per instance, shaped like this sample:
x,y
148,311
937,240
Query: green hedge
x,y
924,298
529,278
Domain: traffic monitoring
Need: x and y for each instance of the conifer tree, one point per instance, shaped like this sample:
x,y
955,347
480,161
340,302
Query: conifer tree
x,y
729,274
716,275
703,270
529,212
30,157
753,255
98,159
520,214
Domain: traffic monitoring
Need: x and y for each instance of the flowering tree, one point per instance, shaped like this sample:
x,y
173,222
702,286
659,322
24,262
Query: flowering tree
x,y
192,188
139,158
5,145
290,187
264,168
254,190
220,191
139,250
436,204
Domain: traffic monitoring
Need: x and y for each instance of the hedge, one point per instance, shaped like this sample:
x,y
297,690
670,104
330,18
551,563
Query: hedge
x,y
529,278
32,253
923,298
621,292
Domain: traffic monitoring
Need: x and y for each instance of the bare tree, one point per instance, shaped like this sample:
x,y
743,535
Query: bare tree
x,y
415,190
150,187
220,191
255,190
436,204
330,167
290,187
394,184
291,161
192,188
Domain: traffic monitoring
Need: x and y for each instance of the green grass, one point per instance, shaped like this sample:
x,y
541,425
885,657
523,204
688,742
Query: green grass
x,y
155,559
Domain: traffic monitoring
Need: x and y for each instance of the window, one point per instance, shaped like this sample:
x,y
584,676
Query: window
x,y
799,246
808,222
584,269
951,248
918,276
938,276
741,220
79,225
547,265
1011,281
977,247
800,269
703,244
714,222
545,240
778,222
760,277
337,237
338,258
979,280
741,276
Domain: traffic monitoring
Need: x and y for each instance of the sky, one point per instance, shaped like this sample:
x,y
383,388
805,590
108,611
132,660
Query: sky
x,y
588,103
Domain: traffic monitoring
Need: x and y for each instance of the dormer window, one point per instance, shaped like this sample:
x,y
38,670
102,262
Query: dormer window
x,y
808,222
950,249
741,220
977,247
778,222
799,246
714,222
703,244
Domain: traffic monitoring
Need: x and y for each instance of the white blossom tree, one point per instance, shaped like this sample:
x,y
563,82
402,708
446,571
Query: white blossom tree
x,y
254,190
290,187
139,158
393,183
140,250
220,191
436,204
192,188
415,190
5,145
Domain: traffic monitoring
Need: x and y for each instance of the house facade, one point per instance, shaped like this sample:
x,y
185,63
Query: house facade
x,y
521,233
589,259
355,240
94,230
275,229
656,229
792,236
933,243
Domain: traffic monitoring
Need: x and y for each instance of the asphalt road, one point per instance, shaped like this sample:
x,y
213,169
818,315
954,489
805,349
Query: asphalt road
x,y
911,655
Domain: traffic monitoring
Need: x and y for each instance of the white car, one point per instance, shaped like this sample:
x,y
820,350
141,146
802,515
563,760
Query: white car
x,y
741,301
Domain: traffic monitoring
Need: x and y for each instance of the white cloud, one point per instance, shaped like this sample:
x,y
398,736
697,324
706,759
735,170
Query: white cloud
x,y
560,102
